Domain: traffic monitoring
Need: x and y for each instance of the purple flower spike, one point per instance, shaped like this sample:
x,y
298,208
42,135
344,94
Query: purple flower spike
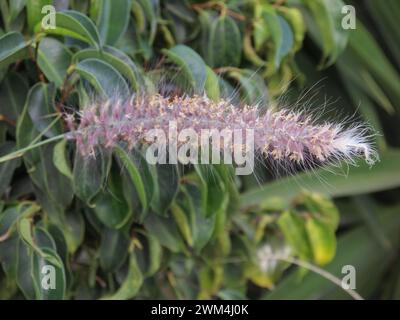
x,y
282,135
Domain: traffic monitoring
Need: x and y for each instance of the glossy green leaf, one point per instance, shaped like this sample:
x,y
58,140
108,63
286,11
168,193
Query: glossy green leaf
x,y
113,19
165,188
34,10
191,64
134,174
13,92
9,256
105,79
42,109
113,249
182,223
254,90
110,205
294,230
117,59
89,175
202,227
12,48
7,169
327,29
225,43
165,230
60,159
75,25
212,189
371,57
25,281
211,85
132,282
322,240
322,208
16,8
53,59
50,276
149,254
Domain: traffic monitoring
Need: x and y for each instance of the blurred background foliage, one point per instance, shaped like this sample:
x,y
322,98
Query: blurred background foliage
x,y
115,227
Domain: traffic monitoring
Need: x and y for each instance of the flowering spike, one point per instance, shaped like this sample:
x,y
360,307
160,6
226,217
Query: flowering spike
x,y
282,135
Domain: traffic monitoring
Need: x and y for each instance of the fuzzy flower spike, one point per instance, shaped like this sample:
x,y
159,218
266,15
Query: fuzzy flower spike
x,y
282,135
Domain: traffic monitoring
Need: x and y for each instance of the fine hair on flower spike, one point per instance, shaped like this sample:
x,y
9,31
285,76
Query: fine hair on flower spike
x,y
283,136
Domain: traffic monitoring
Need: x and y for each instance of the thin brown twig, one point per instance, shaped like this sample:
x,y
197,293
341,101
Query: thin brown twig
x,y
222,8
5,119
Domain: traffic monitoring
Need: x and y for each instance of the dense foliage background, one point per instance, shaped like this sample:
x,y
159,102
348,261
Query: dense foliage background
x,y
116,227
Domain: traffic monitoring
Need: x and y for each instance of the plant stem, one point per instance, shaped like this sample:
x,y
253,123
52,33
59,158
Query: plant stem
x,y
323,273
20,152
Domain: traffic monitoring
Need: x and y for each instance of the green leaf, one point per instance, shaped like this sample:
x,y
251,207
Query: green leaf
x,y
13,92
25,281
286,42
131,284
165,231
361,179
326,28
117,59
12,48
254,90
46,177
75,25
25,231
113,19
368,210
73,230
192,65
202,227
61,160
7,169
9,256
41,108
89,175
225,43
212,189
281,36
355,248
110,205
151,11
53,59
16,8
150,254
113,249
211,85
34,10
43,267
165,188
293,228
105,79
366,52
322,240
182,223
112,212
296,21
321,207
134,174
8,219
